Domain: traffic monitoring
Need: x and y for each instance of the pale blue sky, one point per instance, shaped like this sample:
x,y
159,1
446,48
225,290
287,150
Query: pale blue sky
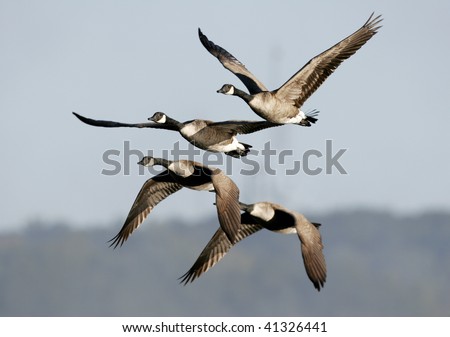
x,y
123,60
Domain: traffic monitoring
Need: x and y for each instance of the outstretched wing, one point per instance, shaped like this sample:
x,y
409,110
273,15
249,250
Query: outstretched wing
x,y
218,247
306,81
232,64
243,127
152,192
311,246
112,124
227,204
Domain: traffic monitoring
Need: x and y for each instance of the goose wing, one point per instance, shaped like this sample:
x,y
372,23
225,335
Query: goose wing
x,y
227,204
232,64
306,81
311,247
112,124
152,192
218,247
244,127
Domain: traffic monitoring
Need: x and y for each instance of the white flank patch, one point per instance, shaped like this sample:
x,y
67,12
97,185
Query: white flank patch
x,y
204,187
234,145
190,129
289,230
263,212
181,169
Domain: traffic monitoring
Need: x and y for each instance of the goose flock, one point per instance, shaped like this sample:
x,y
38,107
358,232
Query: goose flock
x,y
238,220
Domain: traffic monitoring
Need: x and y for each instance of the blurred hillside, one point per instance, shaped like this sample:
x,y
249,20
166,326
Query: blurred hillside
x,y
379,264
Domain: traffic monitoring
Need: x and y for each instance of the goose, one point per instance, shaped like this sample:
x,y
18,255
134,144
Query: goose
x,y
204,134
179,174
275,218
283,104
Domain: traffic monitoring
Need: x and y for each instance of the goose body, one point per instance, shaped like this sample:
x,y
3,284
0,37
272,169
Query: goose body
x,y
204,134
179,174
283,105
275,218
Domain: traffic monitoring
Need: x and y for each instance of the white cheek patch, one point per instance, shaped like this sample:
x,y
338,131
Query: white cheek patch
x,y
146,162
231,91
162,119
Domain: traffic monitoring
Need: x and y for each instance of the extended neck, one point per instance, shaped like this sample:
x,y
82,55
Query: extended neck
x,y
173,122
245,207
162,162
242,94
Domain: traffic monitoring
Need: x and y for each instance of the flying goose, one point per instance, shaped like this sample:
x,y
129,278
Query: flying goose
x,y
179,174
283,104
205,134
275,218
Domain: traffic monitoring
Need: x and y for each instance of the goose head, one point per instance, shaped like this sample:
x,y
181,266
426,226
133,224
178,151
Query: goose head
x,y
227,89
158,117
147,161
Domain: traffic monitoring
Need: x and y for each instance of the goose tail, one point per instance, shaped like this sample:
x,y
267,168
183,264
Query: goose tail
x,y
310,118
240,152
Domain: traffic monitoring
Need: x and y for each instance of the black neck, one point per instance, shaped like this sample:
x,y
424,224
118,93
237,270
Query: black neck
x,y
174,122
242,94
245,207
162,162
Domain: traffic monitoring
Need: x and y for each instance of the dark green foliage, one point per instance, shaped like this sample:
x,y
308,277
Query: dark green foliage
x,y
378,265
